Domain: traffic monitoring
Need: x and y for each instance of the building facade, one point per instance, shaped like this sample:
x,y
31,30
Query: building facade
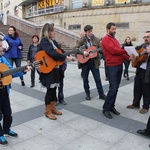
x,y
129,15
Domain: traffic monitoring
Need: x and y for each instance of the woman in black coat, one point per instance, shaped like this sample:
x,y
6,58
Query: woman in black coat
x,y
51,79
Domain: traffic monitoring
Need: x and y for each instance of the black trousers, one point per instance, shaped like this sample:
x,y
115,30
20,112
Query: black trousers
x,y
5,112
141,89
50,95
126,69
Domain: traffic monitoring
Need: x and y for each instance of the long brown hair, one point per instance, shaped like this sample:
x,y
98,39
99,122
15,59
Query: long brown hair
x,y
16,33
45,31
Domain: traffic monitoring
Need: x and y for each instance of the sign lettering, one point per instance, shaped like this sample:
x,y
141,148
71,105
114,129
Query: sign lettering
x,y
49,3
122,1
97,2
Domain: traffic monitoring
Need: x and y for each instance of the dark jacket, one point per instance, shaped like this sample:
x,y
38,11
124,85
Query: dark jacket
x,y
147,73
50,78
31,53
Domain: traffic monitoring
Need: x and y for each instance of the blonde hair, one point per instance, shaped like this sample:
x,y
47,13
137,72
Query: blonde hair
x,y
45,31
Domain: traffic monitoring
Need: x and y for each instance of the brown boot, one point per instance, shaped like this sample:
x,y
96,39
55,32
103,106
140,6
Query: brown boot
x,y
48,112
54,110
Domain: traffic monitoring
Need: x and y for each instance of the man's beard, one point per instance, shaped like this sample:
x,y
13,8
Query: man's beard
x,y
112,34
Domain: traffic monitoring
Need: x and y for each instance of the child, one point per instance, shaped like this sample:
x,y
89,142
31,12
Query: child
x,y
5,108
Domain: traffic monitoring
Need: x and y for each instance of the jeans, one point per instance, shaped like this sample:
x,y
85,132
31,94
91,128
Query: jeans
x,y
114,77
90,65
17,63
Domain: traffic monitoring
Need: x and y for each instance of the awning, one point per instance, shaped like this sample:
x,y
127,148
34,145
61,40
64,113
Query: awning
x,y
27,2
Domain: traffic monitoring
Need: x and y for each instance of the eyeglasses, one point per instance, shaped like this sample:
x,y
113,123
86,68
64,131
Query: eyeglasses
x,y
146,37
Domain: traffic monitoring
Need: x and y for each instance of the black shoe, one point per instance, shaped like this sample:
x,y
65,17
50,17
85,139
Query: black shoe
x,y
11,133
107,114
103,96
128,78
63,102
3,141
32,85
143,132
22,83
113,110
124,76
106,79
88,97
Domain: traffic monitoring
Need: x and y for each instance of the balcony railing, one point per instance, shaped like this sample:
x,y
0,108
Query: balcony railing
x,y
50,10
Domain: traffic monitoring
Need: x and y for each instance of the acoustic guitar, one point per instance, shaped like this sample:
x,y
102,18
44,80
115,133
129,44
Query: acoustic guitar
x,y
141,58
48,63
6,73
92,54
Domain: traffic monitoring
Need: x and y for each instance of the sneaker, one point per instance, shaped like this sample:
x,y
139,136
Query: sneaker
x,y
88,97
3,140
143,111
12,134
63,102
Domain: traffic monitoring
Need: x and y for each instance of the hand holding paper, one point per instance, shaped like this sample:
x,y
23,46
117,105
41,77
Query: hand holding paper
x,y
131,50
5,45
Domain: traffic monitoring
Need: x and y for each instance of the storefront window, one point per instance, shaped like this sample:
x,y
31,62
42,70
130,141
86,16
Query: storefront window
x,y
77,4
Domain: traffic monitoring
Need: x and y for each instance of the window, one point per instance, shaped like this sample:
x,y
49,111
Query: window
x,y
75,27
122,25
76,4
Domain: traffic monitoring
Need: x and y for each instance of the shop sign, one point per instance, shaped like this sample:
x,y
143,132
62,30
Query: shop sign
x,y
97,2
49,3
122,1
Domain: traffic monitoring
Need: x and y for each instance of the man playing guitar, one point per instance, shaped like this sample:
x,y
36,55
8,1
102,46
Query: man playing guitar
x,y
142,78
92,63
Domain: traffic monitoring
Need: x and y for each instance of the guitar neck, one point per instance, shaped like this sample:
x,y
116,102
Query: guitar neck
x,y
71,52
96,50
10,72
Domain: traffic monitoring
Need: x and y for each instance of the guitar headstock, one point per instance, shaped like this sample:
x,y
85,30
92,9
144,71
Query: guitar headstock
x,y
36,63
80,49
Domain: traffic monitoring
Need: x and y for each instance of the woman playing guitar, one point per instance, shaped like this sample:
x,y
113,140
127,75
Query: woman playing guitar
x,y
50,79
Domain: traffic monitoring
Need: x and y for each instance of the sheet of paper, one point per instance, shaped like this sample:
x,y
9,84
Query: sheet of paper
x,y
5,44
131,50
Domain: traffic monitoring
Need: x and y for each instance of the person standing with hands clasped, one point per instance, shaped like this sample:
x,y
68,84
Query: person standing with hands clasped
x,y
5,107
33,48
127,42
114,58
13,52
51,80
142,78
